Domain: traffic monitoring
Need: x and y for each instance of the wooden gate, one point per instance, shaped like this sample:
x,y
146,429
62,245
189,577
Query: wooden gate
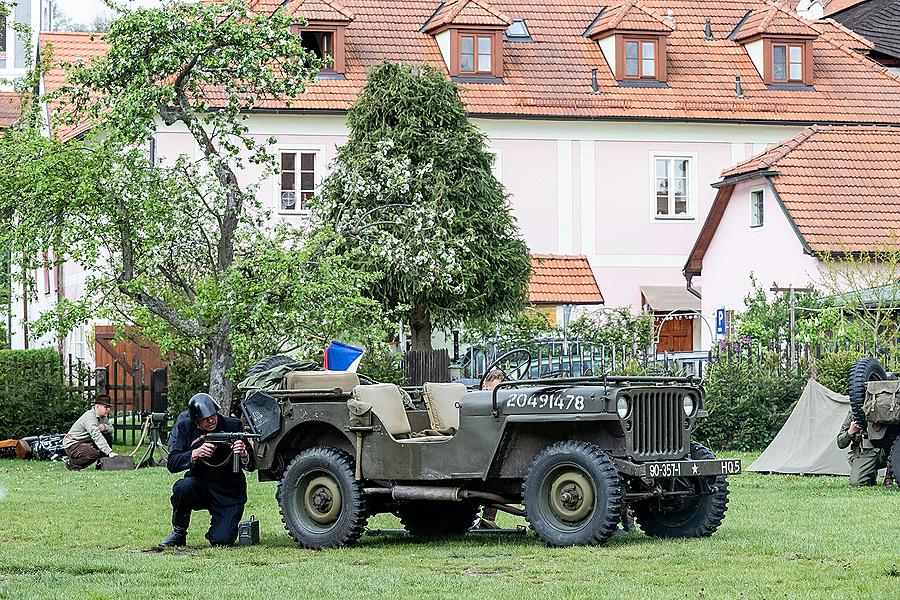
x,y
127,366
420,366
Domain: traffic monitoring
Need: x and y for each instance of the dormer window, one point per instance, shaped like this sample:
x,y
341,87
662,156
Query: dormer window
x,y
632,39
475,54
324,32
469,34
780,46
640,58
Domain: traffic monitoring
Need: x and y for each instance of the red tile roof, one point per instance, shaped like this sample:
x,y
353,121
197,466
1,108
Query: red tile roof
x,y
629,15
562,280
551,76
840,186
466,12
835,6
323,10
10,108
773,21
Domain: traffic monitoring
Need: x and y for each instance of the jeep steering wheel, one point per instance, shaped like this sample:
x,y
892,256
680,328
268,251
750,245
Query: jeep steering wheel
x,y
524,361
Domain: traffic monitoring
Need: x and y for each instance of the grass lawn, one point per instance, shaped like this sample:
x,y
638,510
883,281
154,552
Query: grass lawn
x,y
83,535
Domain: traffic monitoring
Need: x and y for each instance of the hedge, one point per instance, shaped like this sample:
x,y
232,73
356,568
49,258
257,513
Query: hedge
x,y
33,397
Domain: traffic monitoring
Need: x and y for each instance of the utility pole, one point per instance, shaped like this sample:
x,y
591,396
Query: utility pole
x,y
791,290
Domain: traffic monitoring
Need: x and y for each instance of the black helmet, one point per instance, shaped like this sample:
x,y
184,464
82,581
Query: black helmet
x,y
201,406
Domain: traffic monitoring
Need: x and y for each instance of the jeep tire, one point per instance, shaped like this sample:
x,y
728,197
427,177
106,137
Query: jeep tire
x,y
864,371
322,505
573,495
267,363
686,516
894,459
436,519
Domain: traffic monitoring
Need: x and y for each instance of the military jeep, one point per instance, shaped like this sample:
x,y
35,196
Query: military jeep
x,y
574,452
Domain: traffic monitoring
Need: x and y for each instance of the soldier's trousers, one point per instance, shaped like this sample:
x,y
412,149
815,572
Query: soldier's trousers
x,y
865,465
190,494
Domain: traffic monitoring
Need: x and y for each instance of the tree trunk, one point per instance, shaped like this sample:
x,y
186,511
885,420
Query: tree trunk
x,y
221,361
420,327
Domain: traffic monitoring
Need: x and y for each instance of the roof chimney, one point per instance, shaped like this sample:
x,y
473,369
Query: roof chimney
x,y
670,16
709,35
594,85
738,88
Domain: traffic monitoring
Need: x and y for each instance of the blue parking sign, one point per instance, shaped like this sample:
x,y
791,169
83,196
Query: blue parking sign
x,y
720,321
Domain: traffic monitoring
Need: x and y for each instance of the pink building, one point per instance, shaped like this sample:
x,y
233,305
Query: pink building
x,y
826,192
609,122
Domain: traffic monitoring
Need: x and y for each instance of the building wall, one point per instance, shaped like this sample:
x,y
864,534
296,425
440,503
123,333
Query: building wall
x,y
772,253
576,187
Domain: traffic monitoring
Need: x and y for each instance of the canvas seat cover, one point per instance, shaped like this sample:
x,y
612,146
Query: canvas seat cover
x,y
442,401
321,380
386,400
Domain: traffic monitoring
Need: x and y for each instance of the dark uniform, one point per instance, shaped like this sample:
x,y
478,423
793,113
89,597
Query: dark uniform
x,y
865,459
209,484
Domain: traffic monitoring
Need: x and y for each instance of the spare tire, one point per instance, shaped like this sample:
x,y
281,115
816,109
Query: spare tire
x,y
864,371
267,363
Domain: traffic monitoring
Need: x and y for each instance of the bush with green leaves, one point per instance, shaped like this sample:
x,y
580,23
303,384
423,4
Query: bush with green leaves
x,y
833,370
618,327
748,402
33,397
383,365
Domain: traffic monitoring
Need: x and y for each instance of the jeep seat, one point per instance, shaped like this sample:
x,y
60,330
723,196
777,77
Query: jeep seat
x,y
442,400
321,380
387,403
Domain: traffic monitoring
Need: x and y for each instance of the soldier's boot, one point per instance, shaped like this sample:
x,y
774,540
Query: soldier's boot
x,y
178,537
628,520
889,479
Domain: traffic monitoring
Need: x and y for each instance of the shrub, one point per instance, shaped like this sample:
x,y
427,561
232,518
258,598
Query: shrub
x,y
33,398
383,365
747,403
188,375
833,371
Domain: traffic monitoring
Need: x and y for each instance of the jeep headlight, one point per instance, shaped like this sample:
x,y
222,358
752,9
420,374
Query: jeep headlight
x,y
689,405
623,407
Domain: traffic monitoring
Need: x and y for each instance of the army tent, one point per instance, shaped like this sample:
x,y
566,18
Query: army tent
x,y
807,444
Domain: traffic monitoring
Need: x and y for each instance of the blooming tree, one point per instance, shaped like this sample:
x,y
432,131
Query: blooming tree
x,y
179,250
412,195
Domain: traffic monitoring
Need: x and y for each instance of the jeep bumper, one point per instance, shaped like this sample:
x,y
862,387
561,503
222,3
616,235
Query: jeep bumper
x,y
680,468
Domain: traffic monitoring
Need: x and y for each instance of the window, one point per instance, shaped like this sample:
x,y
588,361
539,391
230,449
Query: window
x,y
787,62
640,59
46,275
320,43
298,180
476,55
756,208
672,191
518,31
3,42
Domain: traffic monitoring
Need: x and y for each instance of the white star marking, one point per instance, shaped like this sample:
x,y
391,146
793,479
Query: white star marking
x,y
695,469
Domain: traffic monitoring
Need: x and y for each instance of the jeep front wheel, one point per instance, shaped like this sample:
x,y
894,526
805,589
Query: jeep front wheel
x,y
689,515
573,495
322,505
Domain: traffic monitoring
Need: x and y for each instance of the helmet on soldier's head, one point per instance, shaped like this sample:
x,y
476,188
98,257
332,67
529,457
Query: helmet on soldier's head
x,y
201,406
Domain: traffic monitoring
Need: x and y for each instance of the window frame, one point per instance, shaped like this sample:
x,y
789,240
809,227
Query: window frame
x,y
496,54
762,213
693,188
318,175
806,60
338,43
659,57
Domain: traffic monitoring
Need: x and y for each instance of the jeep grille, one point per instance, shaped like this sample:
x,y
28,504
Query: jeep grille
x,y
657,424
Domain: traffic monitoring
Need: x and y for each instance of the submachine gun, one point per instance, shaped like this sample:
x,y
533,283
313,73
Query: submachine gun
x,y
230,439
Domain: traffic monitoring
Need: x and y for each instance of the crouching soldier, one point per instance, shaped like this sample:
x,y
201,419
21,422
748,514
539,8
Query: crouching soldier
x,y
865,459
90,436
210,482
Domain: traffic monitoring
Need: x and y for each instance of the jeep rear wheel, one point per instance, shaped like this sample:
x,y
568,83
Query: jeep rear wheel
x,y
686,516
573,495
437,519
322,505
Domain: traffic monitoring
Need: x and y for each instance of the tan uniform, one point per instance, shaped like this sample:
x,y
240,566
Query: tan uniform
x,y
865,460
85,443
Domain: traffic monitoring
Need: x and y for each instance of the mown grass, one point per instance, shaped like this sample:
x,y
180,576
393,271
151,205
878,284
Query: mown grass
x,y
84,535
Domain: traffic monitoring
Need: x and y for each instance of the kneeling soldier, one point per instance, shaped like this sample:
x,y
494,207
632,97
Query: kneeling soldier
x,y
90,436
865,459
210,482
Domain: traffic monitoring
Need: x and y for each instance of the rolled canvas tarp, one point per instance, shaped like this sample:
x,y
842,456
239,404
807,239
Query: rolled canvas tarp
x,y
807,444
